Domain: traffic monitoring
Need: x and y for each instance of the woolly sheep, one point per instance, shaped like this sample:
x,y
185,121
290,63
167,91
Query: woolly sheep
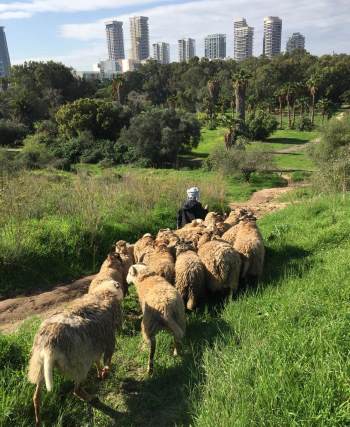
x,y
189,275
75,339
111,269
162,262
143,247
222,264
162,308
170,238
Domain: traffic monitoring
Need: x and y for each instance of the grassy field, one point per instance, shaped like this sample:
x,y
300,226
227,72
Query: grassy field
x,y
277,356
281,140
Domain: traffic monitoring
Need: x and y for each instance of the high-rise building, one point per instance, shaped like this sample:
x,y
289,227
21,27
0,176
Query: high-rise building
x,y
296,41
5,63
215,46
243,39
139,32
187,49
161,52
272,36
115,40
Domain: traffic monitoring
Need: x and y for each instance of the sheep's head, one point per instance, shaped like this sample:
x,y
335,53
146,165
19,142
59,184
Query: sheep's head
x,y
184,246
114,260
135,271
110,287
204,238
121,247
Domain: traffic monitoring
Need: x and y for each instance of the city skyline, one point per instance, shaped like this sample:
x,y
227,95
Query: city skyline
x,y
75,34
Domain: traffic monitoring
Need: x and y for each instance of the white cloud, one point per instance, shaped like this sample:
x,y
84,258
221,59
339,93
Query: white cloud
x,y
23,9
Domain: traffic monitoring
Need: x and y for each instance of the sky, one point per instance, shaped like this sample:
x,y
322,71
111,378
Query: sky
x,y
73,32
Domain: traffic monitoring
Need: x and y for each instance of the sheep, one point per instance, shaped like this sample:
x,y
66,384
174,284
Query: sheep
x,y
143,247
126,253
76,338
192,230
189,275
161,262
162,308
111,269
236,217
170,237
222,264
249,243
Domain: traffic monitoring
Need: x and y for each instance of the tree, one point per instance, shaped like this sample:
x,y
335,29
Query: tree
x,y
281,96
156,137
325,106
117,85
313,84
213,90
240,83
103,119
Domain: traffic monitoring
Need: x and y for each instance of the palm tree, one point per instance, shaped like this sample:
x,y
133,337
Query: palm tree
x,y
312,85
213,87
117,85
240,83
324,105
303,105
281,96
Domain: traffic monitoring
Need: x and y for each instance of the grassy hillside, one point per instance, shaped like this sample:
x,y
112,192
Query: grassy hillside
x,y
276,357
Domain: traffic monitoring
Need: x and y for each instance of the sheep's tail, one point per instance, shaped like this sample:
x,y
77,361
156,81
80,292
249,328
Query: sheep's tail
x,y
41,367
48,369
176,322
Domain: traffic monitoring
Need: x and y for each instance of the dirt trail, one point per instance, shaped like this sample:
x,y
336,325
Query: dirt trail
x,y
15,310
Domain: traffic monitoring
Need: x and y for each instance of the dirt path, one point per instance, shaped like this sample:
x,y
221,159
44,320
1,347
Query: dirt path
x,y
15,310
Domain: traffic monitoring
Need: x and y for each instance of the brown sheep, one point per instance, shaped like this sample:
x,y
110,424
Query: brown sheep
x,y
111,269
162,262
222,262
162,308
75,339
249,243
126,253
189,275
143,247
170,238
190,232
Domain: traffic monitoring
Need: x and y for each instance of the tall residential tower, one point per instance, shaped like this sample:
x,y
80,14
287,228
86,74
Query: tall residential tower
x,y
296,41
187,49
5,64
215,46
139,33
272,36
243,39
161,52
115,40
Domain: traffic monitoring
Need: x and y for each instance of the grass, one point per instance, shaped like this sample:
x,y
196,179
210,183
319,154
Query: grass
x,y
277,356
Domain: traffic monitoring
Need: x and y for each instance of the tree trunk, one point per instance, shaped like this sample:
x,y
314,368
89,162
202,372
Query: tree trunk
x,y
313,109
289,114
293,123
281,113
240,101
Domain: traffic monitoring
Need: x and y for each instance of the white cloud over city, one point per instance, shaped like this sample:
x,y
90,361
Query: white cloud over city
x,y
325,23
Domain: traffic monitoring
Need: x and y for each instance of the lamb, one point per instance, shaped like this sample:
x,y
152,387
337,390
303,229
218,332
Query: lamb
x,y
189,275
249,243
143,247
162,262
170,237
162,308
111,269
190,232
75,339
222,263
126,253
236,217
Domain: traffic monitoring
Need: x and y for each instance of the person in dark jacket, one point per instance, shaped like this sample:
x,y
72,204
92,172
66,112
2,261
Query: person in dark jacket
x,y
191,209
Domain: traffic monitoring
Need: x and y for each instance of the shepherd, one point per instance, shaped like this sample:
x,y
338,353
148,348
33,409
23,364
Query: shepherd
x,y
191,209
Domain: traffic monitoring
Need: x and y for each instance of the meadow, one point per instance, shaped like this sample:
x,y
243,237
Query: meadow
x,y
278,355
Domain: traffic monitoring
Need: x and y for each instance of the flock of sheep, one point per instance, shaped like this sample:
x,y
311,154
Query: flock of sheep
x,y
174,270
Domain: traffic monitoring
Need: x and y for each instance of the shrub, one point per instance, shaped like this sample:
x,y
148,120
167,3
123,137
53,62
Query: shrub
x,y
305,124
34,155
332,155
238,161
260,125
156,137
12,133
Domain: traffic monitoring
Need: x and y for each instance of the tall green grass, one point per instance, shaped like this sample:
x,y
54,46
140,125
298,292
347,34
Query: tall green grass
x,y
59,226
277,356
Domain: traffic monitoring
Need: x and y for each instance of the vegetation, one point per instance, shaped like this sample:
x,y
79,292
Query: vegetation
x,y
277,356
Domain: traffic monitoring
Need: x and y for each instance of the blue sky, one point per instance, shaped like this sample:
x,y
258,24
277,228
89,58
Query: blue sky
x,y
72,31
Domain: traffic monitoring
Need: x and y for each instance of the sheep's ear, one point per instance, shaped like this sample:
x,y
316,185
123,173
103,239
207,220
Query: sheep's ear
x,y
133,270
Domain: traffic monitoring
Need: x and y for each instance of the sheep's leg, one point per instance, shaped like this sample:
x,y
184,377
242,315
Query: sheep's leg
x,y
81,393
177,347
99,368
107,357
151,342
37,401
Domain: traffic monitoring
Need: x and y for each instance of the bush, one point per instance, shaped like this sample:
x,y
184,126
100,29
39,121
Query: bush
x,y
260,125
332,155
12,133
305,124
156,138
238,161
34,155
